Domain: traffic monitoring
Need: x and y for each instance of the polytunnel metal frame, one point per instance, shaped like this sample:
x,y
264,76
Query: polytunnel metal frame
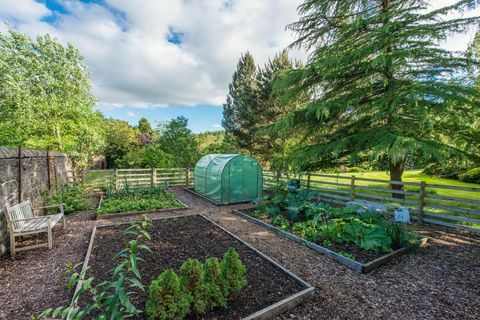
x,y
210,158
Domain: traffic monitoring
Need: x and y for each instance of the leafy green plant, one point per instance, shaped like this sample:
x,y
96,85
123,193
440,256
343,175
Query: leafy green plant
x,y
233,272
306,230
193,281
401,236
167,298
347,255
281,222
73,198
111,299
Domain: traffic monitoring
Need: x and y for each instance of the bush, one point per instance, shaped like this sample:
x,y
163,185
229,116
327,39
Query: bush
x,y
281,222
72,197
193,281
445,170
233,272
472,175
215,284
166,298
355,169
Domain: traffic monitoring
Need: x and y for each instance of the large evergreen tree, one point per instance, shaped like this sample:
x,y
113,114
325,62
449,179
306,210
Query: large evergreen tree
x,y
380,86
271,146
179,142
239,109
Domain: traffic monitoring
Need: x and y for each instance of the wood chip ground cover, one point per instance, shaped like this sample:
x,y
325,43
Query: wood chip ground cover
x,y
176,240
438,283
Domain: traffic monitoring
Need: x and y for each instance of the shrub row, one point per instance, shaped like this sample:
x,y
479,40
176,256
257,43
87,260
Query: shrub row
x,y
200,287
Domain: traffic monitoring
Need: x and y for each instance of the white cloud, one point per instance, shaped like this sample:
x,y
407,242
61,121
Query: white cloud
x,y
216,126
126,48
131,114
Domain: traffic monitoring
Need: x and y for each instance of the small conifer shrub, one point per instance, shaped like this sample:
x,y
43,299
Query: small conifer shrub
x,y
167,298
233,272
193,281
217,295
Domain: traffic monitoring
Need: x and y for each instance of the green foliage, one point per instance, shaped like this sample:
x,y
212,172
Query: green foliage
x,y
73,198
46,100
144,126
111,298
448,170
179,142
201,287
121,139
281,222
167,298
355,169
150,156
215,284
233,272
193,281
382,89
216,142
401,236
251,107
134,199
472,175
307,230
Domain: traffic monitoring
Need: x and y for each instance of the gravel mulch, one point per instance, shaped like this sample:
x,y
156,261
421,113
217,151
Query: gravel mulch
x,y
439,283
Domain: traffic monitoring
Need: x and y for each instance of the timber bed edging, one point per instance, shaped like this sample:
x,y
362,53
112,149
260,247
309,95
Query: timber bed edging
x,y
265,313
350,263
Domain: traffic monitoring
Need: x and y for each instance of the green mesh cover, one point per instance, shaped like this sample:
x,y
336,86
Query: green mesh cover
x,y
228,178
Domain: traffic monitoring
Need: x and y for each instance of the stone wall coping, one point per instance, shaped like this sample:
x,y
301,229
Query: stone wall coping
x,y
8,153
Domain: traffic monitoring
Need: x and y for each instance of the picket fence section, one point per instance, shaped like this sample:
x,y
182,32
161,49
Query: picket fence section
x,y
432,203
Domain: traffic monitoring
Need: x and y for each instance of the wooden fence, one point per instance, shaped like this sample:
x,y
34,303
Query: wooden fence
x,y
135,177
432,203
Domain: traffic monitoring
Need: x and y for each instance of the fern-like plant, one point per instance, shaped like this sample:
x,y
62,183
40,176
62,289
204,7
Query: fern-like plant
x,y
233,272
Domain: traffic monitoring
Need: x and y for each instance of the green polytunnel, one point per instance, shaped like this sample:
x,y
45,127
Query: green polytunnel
x,y
228,178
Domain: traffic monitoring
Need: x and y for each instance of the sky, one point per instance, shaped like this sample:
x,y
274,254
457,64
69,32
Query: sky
x,y
160,59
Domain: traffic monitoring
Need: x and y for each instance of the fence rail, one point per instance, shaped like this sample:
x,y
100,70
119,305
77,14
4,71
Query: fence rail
x,y
432,203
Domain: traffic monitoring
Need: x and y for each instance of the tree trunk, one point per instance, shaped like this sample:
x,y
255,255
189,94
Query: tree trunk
x,y
396,172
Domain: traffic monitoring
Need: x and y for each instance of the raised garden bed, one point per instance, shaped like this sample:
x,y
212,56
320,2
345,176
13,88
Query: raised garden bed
x,y
169,203
370,260
271,288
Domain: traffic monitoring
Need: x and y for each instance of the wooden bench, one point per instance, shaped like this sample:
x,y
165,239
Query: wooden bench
x,y
21,222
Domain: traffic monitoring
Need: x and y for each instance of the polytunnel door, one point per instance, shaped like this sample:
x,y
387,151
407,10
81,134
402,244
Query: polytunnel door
x,y
242,180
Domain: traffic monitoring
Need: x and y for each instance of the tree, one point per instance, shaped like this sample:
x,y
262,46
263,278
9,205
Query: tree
x,y
144,126
268,145
239,109
121,138
146,132
380,87
178,141
45,97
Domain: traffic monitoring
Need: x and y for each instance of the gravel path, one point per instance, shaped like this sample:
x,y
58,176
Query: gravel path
x,y
438,283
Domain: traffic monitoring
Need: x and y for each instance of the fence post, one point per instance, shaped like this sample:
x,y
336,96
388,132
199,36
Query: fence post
x,y
352,189
421,202
154,177
188,177
20,169
49,182
308,180
115,178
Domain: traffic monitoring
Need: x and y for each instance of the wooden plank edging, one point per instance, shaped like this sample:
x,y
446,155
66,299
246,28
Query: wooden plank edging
x,y
265,313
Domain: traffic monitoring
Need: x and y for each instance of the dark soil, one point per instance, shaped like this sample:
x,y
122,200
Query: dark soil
x,y
359,254
176,240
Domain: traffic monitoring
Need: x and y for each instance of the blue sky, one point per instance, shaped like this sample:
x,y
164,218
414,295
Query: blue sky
x,y
161,59
200,118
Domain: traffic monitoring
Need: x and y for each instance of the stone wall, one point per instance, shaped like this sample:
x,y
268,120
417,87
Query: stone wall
x,y
40,172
